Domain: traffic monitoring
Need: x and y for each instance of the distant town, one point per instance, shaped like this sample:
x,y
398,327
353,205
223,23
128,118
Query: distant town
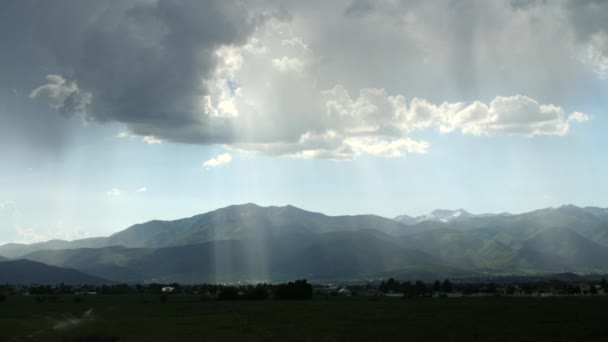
x,y
302,289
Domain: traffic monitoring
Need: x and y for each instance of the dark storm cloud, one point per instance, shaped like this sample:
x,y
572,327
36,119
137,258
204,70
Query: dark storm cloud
x,y
144,63
588,16
525,4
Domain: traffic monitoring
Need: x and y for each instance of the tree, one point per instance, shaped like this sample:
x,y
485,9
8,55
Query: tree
x,y
408,289
436,286
228,293
592,290
299,289
164,298
383,288
490,288
258,292
420,288
604,284
446,286
391,285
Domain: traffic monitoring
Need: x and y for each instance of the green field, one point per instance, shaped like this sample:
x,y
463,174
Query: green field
x,y
188,318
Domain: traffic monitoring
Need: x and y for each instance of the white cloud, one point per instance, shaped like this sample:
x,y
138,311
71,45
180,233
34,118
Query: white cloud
x,y
387,148
148,139
578,117
29,235
294,42
114,192
7,204
287,64
597,54
58,89
151,140
334,146
125,134
221,160
59,231
142,189
220,103
63,95
12,221
517,114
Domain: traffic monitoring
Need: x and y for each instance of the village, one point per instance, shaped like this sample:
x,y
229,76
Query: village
x,y
390,288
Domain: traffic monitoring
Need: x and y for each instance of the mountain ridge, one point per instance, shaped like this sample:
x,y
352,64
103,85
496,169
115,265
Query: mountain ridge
x,y
253,243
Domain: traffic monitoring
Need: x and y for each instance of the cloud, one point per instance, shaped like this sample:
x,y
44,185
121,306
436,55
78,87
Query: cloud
x,y
142,189
62,95
590,28
509,115
7,204
151,140
29,235
220,160
148,139
578,117
114,192
10,215
143,63
16,230
374,112
315,80
286,64
595,53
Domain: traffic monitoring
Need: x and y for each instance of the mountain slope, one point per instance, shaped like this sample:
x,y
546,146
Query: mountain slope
x,y
246,221
329,256
17,250
557,250
31,272
108,262
464,249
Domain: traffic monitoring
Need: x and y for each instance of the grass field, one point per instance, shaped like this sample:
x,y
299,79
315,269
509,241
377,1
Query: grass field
x,y
187,318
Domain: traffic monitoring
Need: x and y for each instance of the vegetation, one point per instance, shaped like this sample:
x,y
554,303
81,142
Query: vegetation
x,y
389,309
298,289
142,317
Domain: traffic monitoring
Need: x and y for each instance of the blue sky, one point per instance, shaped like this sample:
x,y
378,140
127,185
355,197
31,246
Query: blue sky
x,y
341,116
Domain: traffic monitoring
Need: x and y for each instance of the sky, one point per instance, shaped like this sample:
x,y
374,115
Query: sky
x,y
118,112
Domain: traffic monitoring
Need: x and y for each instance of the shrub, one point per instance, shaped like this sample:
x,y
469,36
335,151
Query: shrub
x,y
228,293
300,289
164,298
257,292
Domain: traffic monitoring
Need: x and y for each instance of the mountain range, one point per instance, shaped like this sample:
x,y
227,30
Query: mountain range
x,y
252,243
31,272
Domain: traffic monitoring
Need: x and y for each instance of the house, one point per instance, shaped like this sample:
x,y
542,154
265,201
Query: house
x,y
167,289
